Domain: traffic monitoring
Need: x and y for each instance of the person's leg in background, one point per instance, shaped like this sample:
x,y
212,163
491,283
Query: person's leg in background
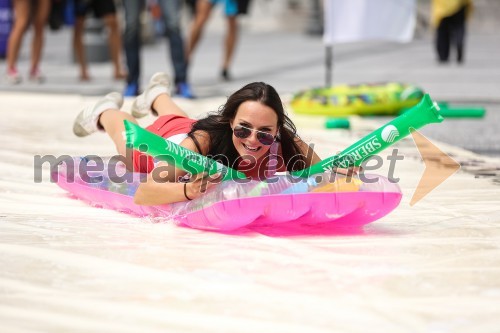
x,y
78,29
171,16
132,44
229,46
234,8
21,10
39,23
459,33
203,10
106,10
443,40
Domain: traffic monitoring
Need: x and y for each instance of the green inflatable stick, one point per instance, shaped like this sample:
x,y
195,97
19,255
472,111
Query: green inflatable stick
x,y
425,112
447,111
462,112
337,123
183,158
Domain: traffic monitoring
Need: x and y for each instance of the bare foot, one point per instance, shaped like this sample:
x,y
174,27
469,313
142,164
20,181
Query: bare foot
x,y
120,76
84,77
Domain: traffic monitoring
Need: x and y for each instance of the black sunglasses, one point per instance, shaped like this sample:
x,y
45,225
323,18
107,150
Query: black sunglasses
x,y
243,132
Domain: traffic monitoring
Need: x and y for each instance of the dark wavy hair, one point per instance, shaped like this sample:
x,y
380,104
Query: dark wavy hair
x,y
217,125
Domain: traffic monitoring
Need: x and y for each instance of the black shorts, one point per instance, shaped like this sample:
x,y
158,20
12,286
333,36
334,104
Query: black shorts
x,y
100,8
243,6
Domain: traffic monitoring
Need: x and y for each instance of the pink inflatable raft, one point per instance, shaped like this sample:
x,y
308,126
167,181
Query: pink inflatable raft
x,y
235,204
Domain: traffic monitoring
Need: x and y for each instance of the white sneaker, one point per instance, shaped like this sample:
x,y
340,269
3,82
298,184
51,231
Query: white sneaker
x,y
87,121
158,84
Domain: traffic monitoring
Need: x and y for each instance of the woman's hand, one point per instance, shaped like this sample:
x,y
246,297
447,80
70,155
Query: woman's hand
x,y
199,184
354,170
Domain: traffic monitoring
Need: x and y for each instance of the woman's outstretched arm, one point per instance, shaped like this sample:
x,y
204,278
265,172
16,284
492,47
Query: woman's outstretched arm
x,y
162,185
306,150
157,190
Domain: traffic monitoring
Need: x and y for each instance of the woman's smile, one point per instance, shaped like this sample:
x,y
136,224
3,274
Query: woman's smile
x,y
251,148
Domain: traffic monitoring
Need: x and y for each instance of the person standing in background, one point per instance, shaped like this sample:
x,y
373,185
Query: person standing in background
x,y
449,16
170,13
106,10
22,10
232,9
132,44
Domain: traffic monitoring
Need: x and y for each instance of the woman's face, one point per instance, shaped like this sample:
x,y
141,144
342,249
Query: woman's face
x,y
256,117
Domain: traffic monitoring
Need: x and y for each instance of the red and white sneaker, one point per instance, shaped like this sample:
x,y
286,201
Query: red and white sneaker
x,y
13,76
37,76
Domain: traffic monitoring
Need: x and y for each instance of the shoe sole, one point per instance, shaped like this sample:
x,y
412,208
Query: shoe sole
x,y
157,78
79,131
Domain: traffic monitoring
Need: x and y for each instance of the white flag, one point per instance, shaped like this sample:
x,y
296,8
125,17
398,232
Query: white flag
x,y
358,20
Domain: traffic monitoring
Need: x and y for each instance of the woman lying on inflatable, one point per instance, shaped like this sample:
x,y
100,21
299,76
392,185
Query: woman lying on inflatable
x,y
250,133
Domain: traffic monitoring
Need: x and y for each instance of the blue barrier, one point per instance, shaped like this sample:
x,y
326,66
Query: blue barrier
x,y
5,25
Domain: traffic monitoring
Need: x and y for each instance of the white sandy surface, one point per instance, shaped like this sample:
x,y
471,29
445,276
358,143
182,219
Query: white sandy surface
x,y
70,267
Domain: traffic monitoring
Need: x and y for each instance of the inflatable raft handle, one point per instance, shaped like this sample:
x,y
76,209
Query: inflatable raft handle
x,y
183,158
425,112
337,123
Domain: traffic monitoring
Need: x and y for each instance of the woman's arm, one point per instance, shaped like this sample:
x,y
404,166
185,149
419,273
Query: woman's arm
x,y
306,150
156,191
162,186
160,192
